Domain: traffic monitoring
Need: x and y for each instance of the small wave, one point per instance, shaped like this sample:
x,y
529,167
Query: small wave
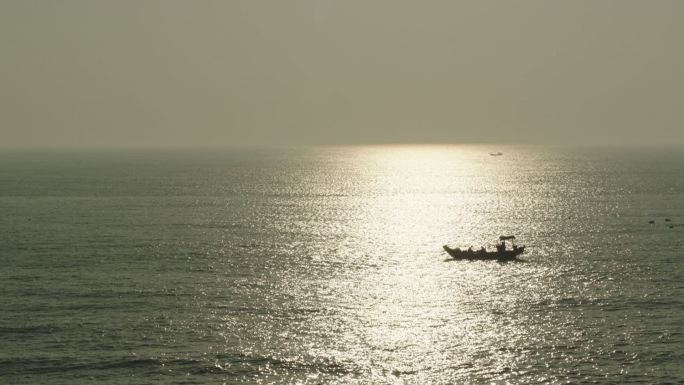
x,y
398,373
44,365
229,364
325,365
208,225
29,329
147,365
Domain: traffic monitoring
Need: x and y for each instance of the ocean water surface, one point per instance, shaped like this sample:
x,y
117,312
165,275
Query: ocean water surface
x,y
325,266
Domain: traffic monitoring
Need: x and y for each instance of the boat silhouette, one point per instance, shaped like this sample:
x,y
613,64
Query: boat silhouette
x,y
501,253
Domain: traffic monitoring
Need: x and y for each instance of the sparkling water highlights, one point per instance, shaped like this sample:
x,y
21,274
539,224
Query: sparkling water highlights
x,y
325,266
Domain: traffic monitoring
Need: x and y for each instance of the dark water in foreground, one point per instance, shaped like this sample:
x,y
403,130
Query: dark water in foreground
x,y
325,266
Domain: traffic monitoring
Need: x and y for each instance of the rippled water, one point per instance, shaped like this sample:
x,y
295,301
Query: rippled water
x,y
325,266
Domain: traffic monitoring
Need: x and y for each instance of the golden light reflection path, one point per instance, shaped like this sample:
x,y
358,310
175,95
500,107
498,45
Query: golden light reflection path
x,y
411,316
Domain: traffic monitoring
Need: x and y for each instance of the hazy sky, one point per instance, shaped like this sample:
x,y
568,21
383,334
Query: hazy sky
x,y
227,73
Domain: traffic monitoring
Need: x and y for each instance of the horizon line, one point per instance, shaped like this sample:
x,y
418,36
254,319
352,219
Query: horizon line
x,y
324,145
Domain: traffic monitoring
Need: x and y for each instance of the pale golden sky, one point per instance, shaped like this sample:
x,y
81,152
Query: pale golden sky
x,y
234,73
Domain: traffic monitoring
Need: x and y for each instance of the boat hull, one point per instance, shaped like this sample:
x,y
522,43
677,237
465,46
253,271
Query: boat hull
x,y
505,255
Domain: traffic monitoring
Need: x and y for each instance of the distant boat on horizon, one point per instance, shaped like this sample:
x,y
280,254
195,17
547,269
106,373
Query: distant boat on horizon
x,y
496,153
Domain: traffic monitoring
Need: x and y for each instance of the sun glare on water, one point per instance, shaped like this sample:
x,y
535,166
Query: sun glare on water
x,y
408,311
420,196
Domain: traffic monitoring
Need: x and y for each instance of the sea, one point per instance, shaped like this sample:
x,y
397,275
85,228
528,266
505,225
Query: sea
x,y
324,265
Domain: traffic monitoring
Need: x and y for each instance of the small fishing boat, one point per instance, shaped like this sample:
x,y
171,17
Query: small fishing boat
x,y
501,253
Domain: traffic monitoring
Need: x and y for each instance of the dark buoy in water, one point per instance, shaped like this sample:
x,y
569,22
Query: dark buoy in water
x,y
667,219
651,222
671,226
